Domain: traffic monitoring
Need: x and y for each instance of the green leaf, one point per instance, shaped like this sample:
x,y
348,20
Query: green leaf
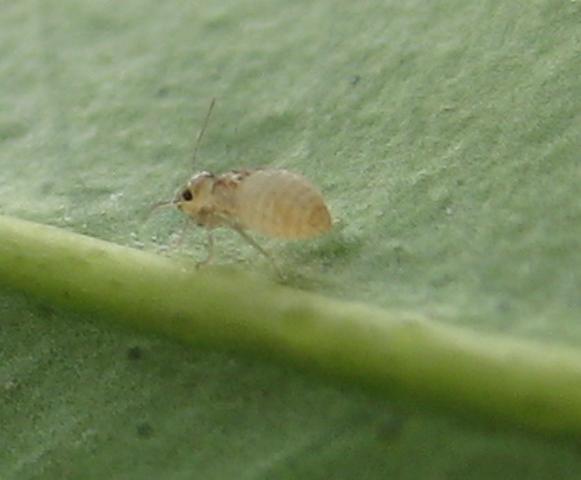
x,y
445,136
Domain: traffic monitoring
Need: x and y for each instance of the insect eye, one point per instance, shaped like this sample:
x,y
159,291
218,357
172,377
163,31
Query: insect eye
x,y
187,195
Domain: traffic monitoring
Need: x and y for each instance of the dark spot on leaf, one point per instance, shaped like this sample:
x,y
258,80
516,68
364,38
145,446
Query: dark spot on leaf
x,y
134,353
144,430
47,187
162,92
45,310
391,428
354,79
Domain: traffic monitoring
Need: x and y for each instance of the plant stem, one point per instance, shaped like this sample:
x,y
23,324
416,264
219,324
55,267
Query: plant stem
x,y
396,354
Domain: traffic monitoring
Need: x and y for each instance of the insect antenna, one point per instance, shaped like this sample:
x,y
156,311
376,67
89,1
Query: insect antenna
x,y
158,205
202,131
155,207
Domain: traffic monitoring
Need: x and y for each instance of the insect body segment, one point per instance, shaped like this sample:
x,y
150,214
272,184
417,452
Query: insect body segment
x,y
273,202
281,204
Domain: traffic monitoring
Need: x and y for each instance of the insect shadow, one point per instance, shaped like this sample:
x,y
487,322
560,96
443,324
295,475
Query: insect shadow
x,y
308,265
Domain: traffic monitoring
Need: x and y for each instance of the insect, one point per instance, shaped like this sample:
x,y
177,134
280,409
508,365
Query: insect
x,y
272,202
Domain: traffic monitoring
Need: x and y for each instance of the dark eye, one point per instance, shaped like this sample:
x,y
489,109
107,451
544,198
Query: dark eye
x,y
187,195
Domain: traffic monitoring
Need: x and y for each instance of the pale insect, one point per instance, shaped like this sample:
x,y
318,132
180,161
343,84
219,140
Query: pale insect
x,y
273,202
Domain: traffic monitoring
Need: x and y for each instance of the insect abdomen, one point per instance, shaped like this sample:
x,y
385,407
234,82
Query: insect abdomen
x,y
282,204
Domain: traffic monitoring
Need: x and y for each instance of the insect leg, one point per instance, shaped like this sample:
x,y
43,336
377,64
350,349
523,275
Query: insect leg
x,y
253,242
210,251
178,239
